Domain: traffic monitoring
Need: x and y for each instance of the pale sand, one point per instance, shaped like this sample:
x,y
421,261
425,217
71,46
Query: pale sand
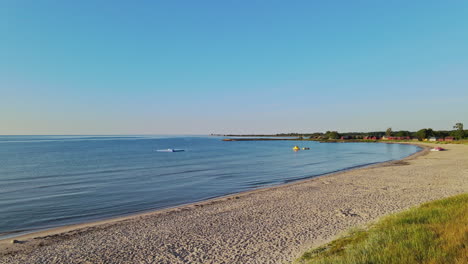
x,y
273,225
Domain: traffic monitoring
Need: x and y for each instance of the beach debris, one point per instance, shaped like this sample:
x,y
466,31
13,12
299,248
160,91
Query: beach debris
x,y
14,241
347,212
437,149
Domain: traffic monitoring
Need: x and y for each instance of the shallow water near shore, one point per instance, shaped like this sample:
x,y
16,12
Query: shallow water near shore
x,y
48,181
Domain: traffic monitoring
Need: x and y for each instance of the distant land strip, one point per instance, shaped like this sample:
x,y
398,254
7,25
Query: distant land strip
x,y
260,139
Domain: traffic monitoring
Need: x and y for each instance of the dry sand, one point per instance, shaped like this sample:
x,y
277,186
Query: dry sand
x,y
272,225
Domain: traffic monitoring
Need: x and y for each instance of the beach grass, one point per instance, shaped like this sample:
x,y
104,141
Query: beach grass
x,y
435,232
464,142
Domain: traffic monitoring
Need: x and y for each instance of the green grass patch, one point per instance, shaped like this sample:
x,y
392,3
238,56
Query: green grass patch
x,y
435,232
463,142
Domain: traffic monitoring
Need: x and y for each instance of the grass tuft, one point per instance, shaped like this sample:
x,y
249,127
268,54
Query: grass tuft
x,y
435,232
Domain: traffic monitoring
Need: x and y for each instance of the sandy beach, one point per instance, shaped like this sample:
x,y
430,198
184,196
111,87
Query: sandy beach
x,y
271,225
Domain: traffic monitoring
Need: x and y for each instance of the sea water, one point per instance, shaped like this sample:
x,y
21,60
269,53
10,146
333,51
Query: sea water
x,y
49,181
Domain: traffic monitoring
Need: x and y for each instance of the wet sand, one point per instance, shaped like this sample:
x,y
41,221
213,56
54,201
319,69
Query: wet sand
x,y
271,225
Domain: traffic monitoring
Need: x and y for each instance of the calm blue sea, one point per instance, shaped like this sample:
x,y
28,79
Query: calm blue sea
x,y
48,181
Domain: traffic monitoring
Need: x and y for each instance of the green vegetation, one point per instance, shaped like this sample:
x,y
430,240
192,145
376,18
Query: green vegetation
x,y
332,135
403,133
389,132
463,141
425,133
459,133
435,232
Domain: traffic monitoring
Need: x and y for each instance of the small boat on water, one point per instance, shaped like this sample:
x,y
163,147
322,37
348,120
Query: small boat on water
x,y
297,148
170,150
437,149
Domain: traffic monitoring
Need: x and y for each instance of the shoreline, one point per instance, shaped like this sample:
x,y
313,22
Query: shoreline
x,y
272,217
27,235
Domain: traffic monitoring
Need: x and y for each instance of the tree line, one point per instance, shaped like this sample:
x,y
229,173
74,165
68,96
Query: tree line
x,y
458,133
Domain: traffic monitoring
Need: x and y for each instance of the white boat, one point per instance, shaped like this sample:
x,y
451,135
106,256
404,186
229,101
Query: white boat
x,y
170,150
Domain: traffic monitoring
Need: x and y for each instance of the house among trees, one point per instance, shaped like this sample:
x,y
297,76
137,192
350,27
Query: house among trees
x,y
449,138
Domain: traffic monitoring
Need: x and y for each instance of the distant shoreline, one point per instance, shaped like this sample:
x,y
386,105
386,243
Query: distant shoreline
x,y
260,139
322,140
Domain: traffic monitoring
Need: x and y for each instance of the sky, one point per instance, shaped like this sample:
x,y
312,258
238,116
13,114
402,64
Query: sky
x,y
202,67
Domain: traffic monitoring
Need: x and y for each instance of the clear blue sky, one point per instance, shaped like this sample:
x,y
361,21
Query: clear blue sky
x,y
199,67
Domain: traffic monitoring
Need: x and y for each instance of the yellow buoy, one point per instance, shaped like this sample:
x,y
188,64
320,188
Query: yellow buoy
x,y
296,148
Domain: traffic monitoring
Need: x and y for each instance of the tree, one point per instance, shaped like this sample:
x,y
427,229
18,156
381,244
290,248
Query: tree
x,y
430,133
441,134
421,134
459,133
402,133
424,133
332,135
388,133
